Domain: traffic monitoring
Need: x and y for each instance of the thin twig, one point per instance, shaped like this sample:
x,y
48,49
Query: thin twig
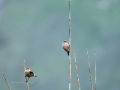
x,y
76,70
25,77
6,81
89,70
69,52
95,70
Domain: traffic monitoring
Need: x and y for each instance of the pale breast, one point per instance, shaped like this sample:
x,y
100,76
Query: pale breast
x,y
65,46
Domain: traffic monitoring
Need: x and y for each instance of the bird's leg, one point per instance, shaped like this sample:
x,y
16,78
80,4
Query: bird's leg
x,y
28,78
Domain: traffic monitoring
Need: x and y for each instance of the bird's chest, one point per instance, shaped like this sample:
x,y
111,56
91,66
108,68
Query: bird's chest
x,y
28,74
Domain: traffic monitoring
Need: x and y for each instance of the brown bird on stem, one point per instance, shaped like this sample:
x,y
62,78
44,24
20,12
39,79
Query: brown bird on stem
x,y
65,46
29,73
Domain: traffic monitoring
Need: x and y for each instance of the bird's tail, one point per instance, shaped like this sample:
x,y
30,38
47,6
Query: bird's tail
x,y
35,76
68,53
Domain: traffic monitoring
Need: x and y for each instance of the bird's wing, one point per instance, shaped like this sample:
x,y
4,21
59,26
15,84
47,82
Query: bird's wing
x,y
31,73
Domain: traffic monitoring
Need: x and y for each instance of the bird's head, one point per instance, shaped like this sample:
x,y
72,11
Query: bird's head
x,y
28,68
65,41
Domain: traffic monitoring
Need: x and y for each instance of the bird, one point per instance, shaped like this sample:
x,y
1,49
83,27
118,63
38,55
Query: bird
x,y
29,73
65,46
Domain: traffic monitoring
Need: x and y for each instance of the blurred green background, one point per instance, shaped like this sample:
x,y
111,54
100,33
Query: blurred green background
x,y
34,30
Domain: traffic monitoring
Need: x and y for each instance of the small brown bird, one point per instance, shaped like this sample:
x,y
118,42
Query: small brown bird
x,y
65,46
29,73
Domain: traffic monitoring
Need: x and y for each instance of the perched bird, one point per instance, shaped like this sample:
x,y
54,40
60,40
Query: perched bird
x,y
65,46
29,73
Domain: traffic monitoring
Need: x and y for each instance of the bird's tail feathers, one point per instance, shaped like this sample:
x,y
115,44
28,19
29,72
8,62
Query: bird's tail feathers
x,y
68,53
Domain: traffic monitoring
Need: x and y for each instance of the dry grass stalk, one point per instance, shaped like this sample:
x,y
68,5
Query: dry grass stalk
x,y
25,77
95,70
6,81
89,70
69,52
77,70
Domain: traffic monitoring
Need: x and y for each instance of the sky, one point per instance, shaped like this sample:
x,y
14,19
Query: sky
x,y
34,31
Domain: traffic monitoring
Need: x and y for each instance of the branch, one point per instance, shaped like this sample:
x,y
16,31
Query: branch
x,y
89,70
6,81
95,70
77,71
69,52
25,77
